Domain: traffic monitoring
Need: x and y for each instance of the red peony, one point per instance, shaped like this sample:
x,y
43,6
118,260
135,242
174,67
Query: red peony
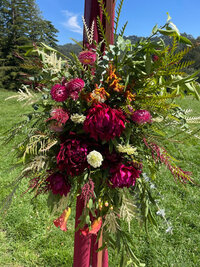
x,y
104,122
123,176
58,184
87,57
141,116
59,93
72,157
73,87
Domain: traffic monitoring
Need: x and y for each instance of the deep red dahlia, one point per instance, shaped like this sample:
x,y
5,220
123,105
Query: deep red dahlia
x,y
73,87
104,122
141,116
123,176
59,93
87,57
72,157
58,184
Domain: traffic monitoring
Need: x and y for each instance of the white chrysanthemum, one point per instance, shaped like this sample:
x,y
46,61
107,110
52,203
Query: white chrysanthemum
x,y
95,159
130,150
77,118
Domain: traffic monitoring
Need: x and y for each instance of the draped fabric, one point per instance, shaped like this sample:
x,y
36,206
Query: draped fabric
x,y
85,247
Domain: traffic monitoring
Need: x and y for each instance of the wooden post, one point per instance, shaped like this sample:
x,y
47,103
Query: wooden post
x,y
85,248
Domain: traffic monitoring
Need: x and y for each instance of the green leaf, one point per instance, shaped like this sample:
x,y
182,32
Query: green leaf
x,y
90,203
167,32
148,63
87,219
185,40
155,29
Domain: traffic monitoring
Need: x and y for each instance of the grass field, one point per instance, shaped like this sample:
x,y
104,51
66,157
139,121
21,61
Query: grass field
x,y
28,237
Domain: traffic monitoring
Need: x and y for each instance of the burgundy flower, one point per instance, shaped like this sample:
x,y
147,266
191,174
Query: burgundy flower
x,y
155,58
59,93
141,116
58,184
72,157
87,57
73,87
123,176
104,122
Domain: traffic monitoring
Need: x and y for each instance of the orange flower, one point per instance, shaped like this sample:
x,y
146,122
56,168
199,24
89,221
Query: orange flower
x,y
95,227
62,220
114,81
129,96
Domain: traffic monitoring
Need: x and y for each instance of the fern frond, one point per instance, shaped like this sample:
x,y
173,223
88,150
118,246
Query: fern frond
x,y
38,144
118,13
103,8
111,225
193,120
127,210
123,29
36,165
89,32
102,32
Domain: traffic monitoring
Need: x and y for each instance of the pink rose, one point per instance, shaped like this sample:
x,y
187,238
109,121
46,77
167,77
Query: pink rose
x,y
104,122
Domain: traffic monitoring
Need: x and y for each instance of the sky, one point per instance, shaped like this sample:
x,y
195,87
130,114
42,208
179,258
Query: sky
x,y
142,15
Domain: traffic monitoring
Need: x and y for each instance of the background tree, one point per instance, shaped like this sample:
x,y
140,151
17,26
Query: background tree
x,y
21,24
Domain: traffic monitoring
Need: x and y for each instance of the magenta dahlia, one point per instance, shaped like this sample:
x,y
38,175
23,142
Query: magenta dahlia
x,y
58,184
141,116
59,93
87,57
123,176
72,157
73,87
104,122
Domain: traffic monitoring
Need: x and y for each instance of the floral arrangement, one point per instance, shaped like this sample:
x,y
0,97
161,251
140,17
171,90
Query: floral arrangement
x,y
99,126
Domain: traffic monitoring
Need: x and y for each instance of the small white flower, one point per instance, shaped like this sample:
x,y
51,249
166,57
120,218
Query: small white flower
x,y
77,118
130,150
95,159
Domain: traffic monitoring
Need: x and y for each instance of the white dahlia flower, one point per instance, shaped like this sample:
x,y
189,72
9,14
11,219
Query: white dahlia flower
x,y
95,159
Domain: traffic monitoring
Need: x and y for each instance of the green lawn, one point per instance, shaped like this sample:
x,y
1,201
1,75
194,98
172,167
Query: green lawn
x,y
28,237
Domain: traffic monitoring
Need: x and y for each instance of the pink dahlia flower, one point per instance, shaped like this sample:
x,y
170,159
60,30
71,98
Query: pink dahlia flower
x,y
73,87
141,116
87,57
104,122
123,176
72,157
59,93
60,115
58,184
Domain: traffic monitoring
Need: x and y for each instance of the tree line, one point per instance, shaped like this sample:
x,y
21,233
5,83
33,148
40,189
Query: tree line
x,y
21,24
